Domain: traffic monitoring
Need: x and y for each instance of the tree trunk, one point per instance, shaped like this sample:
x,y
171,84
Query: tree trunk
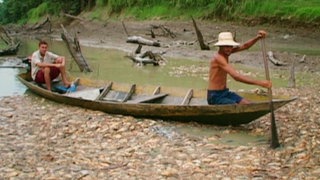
x,y
203,46
75,50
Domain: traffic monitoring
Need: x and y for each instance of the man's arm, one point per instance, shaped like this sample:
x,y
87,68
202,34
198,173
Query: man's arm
x,y
60,60
251,42
43,64
241,78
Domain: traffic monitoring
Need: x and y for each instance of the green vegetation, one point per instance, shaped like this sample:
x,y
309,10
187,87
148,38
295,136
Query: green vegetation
x,y
257,11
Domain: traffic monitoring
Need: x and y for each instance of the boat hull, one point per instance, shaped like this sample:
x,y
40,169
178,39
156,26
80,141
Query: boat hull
x,y
210,114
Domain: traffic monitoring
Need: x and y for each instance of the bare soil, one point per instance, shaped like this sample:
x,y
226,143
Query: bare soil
x,y
287,44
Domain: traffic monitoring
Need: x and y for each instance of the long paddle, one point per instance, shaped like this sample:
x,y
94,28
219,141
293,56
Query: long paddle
x,y
274,134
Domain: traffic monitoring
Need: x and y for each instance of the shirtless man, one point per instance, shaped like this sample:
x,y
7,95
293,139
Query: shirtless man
x,y
218,93
46,66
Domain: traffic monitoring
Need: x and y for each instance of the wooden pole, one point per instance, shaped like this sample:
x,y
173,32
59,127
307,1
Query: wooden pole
x,y
274,134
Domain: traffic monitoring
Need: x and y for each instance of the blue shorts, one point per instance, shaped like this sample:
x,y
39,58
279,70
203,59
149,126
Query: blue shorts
x,y
223,97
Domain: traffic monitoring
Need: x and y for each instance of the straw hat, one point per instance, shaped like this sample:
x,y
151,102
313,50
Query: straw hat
x,y
226,39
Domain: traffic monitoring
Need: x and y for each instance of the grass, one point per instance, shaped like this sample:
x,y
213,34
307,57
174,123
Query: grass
x,y
274,10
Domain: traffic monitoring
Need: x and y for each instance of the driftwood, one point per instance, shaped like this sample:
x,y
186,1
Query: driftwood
x,y
5,36
203,46
165,31
12,45
303,59
42,25
73,17
147,57
75,50
10,50
142,41
274,60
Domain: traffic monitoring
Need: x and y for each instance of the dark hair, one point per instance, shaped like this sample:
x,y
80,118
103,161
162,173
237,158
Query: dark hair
x,y
42,42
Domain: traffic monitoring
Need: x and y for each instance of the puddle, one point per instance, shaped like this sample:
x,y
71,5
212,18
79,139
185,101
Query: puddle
x,y
222,135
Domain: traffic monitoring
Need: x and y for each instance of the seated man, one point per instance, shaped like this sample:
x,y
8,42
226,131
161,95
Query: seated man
x,y
46,66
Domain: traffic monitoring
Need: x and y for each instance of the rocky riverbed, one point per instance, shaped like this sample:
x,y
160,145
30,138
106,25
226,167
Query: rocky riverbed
x,y
40,139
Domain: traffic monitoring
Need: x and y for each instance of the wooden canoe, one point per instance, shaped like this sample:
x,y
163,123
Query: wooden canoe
x,y
160,103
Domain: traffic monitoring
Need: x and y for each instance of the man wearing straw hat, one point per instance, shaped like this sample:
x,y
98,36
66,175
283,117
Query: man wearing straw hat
x,y
218,93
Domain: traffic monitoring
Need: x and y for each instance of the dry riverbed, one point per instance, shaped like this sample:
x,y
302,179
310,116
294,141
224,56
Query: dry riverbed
x,y
40,139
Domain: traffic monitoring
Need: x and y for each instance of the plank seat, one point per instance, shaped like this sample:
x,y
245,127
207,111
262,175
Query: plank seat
x,y
145,99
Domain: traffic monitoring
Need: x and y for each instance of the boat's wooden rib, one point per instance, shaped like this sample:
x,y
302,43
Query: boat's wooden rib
x,y
157,90
105,91
119,96
143,102
188,97
130,93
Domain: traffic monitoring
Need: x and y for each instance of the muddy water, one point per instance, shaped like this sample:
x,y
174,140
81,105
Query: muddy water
x,y
109,64
113,65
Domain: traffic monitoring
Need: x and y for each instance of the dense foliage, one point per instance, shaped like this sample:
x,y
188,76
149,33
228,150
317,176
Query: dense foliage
x,y
21,11
26,11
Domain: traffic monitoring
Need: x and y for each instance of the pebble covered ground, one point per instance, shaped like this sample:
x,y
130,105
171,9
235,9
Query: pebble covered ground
x,y
40,139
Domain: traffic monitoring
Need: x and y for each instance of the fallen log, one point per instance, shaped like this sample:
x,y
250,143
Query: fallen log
x,y
75,50
73,17
42,25
147,57
10,50
142,41
165,31
274,60
12,45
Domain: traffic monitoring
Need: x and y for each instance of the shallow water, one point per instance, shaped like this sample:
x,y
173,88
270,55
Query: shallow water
x,y
223,135
109,64
10,85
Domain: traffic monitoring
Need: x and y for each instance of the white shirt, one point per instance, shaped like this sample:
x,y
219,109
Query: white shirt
x,y
49,57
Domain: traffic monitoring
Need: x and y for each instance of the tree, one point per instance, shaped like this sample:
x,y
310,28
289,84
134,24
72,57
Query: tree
x,y
13,11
